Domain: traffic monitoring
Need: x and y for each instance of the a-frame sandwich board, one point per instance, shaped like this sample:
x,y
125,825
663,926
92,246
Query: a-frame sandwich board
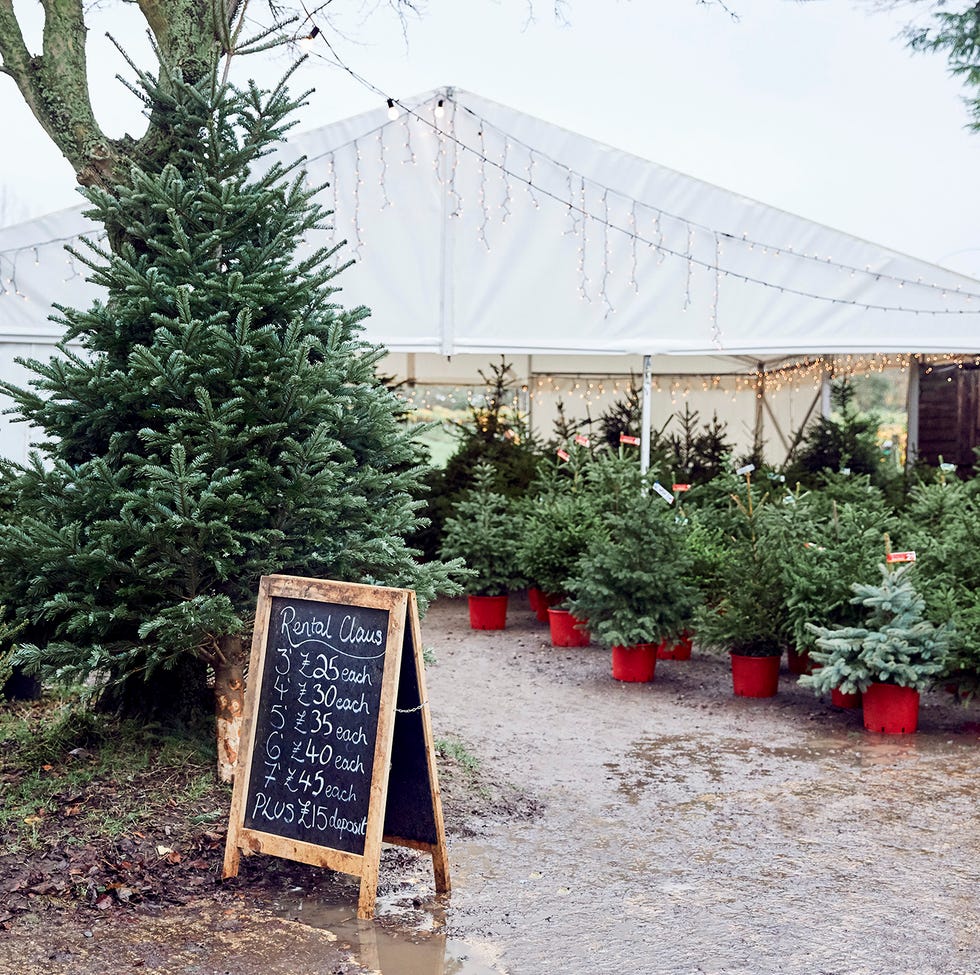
x,y
337,752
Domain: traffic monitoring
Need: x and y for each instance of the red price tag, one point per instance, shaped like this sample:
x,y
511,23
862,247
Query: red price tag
x,y
900,557
581,441
563,454
682,487
625,438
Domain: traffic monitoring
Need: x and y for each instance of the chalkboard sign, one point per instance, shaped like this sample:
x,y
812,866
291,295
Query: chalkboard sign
x,y
337,750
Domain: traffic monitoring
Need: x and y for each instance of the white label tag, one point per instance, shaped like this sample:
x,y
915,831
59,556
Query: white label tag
x,y
663,492
747,469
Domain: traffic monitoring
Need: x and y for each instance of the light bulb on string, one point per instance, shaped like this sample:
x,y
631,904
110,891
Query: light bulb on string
x,y
440,108
392,110
306,43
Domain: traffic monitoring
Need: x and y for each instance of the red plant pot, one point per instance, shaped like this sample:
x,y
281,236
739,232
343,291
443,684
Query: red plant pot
x,y
637,663
534,598
545,600
681,650
488,612
890,709
841,700
799,663
566,630
755,676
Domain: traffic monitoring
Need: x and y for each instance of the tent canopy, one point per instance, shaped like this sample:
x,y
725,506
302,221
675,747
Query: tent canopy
x,y
475,228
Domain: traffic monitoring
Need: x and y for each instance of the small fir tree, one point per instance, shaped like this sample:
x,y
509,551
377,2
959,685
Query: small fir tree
x,y
223,420
846,440
632,583
483,531
895,646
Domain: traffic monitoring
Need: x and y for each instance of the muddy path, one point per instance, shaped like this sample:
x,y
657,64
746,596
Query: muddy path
x,y
659,828
685,830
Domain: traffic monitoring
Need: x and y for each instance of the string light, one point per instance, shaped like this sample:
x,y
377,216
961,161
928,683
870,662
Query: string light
x,y
440,108
409,151
386,201
306,43
392,109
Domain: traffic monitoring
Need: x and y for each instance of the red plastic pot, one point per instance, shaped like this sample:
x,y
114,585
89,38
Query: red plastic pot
x,y
566,630
841,700
488,612
534,598
543,601
890,709
637,663
681,650
799,663
755,676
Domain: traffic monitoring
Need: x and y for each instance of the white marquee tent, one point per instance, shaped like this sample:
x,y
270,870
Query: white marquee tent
x,y
477,231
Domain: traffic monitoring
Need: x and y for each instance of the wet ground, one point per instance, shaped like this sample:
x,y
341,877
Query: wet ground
x,y
659,828
685,830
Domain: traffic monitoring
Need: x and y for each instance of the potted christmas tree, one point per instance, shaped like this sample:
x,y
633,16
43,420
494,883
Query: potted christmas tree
x,y
632,585
827,545
483,531
743,610
890,659
557,528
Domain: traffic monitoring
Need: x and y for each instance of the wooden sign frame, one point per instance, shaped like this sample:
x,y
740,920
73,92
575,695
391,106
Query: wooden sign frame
x,y
402,717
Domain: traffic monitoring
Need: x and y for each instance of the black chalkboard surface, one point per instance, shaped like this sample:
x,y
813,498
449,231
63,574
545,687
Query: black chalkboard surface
x,y
337,750
317,723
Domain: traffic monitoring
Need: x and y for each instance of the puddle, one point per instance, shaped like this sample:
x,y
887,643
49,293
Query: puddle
x,y
416,948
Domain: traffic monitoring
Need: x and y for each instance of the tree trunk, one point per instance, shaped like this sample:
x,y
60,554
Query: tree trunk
x,y
229,702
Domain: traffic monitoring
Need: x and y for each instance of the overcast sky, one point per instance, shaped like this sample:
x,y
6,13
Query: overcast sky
x,y
817,108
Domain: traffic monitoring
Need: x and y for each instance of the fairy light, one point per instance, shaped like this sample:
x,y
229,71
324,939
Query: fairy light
x,y
484,209
530,179
715,325
604,291
454,143
409,150
572,210
392,110
356,218
505,206
583,273
385,199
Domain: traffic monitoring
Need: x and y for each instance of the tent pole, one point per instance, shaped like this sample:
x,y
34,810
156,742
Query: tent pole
x,y
645,416
912,410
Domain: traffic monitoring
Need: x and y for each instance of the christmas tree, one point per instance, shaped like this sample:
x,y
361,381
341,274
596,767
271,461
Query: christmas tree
x,y
217,417
896,646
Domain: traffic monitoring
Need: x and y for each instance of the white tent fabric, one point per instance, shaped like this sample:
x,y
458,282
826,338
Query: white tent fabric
x,y
479,229
476,230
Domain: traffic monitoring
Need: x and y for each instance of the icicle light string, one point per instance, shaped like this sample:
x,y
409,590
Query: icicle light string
x,y
384,169
661,246
777,249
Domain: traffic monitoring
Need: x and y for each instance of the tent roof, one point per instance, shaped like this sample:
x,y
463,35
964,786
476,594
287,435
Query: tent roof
x,y
488,231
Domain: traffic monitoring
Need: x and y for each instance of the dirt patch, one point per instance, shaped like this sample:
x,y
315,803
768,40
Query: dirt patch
x,y
151,898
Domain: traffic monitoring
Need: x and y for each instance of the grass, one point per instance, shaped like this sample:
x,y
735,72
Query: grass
x,y
69,776
456,751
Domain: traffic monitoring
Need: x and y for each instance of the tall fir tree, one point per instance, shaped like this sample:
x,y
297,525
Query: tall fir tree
x,y
217,417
